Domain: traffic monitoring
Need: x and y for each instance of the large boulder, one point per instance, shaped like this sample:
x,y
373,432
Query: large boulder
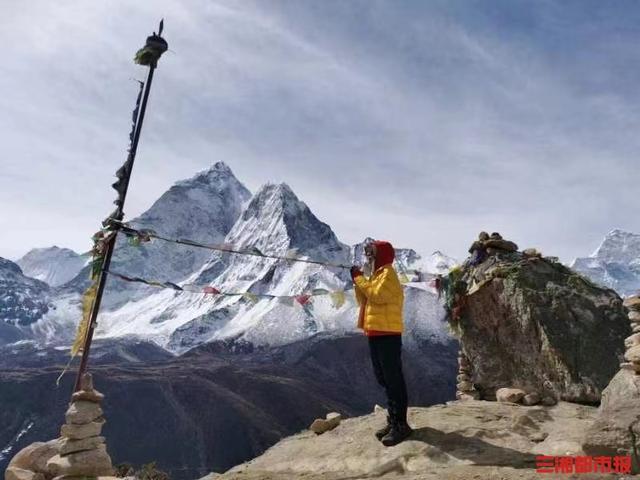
x,y
34,457
14,473
534,324
616,430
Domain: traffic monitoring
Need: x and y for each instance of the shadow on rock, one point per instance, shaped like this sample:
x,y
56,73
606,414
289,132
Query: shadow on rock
x,y
473,449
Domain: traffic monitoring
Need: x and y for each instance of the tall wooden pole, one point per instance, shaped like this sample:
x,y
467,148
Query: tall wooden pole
x,y
148,55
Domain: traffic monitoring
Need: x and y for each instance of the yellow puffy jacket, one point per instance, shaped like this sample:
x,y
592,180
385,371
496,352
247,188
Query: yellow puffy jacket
x,y
381,299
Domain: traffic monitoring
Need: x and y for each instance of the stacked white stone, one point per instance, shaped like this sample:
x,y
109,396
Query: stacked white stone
x,y
632,343
465,389
83,451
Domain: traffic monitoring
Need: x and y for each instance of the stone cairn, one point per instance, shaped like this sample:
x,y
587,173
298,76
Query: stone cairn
x,y
632,343
80,451
464,388
83,451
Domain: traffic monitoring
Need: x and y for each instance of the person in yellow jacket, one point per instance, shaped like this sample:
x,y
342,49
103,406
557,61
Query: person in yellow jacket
x,y
381,301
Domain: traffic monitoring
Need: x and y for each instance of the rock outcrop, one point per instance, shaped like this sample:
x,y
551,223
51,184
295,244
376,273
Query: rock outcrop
x,y
616,430
528,322
460,440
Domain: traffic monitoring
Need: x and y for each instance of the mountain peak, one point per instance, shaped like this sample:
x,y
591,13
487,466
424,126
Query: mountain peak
x,y
216,174
619,245
10,266
220,167
615,263
275,219
52,265
280,191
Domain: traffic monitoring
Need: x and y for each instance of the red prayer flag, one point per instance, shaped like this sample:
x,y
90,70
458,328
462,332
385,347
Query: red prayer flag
x,y
303,299
211,290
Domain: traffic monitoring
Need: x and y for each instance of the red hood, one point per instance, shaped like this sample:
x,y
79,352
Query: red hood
x,y
384,253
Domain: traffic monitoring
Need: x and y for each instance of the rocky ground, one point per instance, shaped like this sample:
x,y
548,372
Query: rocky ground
x,y
458,440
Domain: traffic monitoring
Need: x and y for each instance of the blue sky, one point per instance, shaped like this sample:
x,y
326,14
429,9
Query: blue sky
x,y
419,122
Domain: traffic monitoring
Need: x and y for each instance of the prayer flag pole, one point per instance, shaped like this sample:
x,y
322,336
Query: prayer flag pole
x,y
103,249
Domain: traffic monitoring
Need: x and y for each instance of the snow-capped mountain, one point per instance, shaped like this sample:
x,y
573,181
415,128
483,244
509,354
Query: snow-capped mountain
x,y
436,264
214,207
275,222
54,265
409,261
204,207
615,263
23,300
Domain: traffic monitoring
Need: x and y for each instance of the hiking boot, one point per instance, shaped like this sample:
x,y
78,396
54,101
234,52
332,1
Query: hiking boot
x,y
383,431
398,433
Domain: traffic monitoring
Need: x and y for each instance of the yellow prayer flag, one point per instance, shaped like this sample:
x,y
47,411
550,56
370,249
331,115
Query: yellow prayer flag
x,y
338,298
250,296
87,304
403,278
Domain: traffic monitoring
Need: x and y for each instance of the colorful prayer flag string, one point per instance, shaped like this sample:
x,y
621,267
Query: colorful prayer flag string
x,y
146,235
337,297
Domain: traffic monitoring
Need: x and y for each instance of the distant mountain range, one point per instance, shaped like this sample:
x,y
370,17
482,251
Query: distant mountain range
x,y
214,207
615,263
54,265
40,296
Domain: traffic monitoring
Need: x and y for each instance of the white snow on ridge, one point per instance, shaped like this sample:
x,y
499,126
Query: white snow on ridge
x,y
214,207
615,263
54,266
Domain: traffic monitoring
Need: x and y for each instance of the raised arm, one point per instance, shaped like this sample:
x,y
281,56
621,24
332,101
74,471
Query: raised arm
x,y
380,289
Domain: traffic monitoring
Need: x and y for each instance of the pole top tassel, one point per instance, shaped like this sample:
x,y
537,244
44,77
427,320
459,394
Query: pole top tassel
x,y
153,49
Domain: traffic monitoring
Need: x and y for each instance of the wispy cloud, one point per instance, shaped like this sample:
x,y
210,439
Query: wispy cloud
x,y
421,122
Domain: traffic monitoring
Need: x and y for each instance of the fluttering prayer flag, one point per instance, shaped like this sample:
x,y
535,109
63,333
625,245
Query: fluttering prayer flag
x,y
338,298
88,298
303,299
211,290
134,241
252,297
174,286
292,253
403,278
319,291
256,251
286,301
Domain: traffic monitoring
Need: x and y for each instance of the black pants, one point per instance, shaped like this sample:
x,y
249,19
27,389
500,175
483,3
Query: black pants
x,y
386,357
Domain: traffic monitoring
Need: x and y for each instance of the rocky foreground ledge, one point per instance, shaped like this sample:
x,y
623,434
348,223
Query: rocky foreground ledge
x,y
470,439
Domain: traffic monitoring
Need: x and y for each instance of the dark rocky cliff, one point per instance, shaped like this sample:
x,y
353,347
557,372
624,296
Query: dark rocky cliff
x,y
529,322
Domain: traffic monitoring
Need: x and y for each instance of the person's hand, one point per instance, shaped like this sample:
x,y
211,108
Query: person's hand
x,y
355,272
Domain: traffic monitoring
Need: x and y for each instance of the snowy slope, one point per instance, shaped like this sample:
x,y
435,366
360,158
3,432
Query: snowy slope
x,y
408,260
23,300
214,207
275,221
615,263
204,207
54,265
